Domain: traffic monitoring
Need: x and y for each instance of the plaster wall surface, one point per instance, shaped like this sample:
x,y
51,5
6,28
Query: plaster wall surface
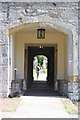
x,y
13,55
51,38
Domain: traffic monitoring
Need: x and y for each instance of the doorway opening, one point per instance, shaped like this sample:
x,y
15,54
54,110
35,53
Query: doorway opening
x,y
40,68
46,59
46,54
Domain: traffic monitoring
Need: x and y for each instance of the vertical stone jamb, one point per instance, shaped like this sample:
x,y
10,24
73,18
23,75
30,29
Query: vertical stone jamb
x,y
73,92
79,53
75,55
4,51
1,44
70,55
5,67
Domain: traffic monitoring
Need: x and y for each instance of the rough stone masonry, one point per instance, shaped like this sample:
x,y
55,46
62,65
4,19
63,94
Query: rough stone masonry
x,y
62,16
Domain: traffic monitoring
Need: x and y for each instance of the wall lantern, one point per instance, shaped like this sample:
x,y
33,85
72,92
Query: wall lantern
x,y
41,33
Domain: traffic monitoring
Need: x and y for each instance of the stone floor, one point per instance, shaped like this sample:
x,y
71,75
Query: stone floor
x,y
40,88
42,76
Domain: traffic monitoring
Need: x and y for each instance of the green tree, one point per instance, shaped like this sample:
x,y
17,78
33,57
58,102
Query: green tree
x,y
40,60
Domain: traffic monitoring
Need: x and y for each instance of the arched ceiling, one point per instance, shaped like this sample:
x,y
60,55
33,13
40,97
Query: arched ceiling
x,y
32,27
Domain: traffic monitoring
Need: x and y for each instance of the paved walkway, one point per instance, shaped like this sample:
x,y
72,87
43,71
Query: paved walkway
x,y
41,107
40,101
42,76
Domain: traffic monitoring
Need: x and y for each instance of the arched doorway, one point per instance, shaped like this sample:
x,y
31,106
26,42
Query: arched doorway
x,y
40,68
46,51
53,38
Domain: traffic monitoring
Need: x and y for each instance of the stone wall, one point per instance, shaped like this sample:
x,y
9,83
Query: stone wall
x,y
74,90
63,87
69,89
60,16
3,54
79,43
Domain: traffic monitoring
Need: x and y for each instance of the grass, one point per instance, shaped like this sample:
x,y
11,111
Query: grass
x,y
11,110
70,107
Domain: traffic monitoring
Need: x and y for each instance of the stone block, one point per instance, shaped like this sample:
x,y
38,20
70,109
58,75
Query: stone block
x,y
74,90
72,87
63,87
73,96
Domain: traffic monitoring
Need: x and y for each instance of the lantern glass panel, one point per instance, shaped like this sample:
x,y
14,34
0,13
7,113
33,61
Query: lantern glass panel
x,y
41,33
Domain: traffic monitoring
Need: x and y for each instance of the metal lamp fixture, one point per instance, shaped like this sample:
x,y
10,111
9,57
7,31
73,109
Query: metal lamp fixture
x,y
41,33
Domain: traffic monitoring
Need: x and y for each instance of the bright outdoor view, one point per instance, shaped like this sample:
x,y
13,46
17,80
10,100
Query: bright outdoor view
x,y
40,63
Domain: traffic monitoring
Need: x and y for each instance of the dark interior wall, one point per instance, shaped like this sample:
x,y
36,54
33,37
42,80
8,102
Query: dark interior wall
x,y
49,53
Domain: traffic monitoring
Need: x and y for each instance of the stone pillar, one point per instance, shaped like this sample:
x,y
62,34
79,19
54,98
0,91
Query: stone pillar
x,y
0,65
4,66
0,51
4,52
73,84
70,55
4,73
75,54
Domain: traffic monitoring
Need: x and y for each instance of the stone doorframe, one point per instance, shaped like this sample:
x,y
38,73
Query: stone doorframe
x,y
26,60
43,21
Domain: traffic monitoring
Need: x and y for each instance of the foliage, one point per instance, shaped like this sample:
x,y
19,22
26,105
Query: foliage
x,y
40,60
34,72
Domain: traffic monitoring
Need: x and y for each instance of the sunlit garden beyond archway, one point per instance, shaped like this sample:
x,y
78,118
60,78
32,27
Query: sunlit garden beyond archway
x,y
40,68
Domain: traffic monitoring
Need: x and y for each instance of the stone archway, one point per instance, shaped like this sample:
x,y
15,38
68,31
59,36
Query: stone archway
x,y
48,21
51,26
70,57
